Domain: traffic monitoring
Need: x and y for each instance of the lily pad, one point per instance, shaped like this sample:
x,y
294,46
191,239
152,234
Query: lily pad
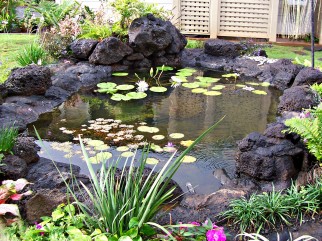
x,y
204,84
169,149
265,84
186,143
106,85
191,85
259,92
176,135
218,87
252,83
148,129
179,79
212,93
156,148
164,68
185,74
235,75
152,161
110,91
136,95
188,70
240,85
158,89
100,157
199,90
207,79
95,143
119,97
120,74
188,159
158,137
102,147
125,87
127,154
122,148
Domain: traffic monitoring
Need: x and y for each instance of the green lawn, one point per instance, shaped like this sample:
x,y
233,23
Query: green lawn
x,y
10,44
288,52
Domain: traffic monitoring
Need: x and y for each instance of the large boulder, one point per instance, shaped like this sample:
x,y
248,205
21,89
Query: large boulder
x,y
219,47
13,167
297,98
83,48
268,157
26,148
308,76
148,35
30,80
110,51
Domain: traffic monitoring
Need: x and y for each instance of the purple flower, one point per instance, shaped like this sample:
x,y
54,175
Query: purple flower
x,y
305,115
170,144
195,223
216,235
39,226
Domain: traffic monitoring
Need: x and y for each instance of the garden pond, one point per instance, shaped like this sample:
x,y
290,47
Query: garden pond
x,y
114,123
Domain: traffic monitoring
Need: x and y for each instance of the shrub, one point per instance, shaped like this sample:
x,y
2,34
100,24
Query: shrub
x,y
32,54
195,44
8,137
91,30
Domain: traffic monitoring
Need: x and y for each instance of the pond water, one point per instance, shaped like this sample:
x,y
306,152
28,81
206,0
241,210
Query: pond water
x,y
177,110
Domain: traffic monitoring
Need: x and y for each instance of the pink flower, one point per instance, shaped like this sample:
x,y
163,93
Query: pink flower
x,y
195,223
216,235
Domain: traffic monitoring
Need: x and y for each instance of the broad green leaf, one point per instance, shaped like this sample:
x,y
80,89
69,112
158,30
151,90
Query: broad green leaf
x,y
57,214
95,143
102,147
136,95
212,93
101,238
198,90
176,135
125,87
133,232
218,87
265,84
188,70
158,89
165,68
134,222
207,79
120,74
156,148
169,149
259,92
179,78
185,74
147,230
189,159
149,129
235,75
204,84
122,148
152,161
252,83
119,97
186,143
125,238
106,85
101,156
191,85
158,137
127,154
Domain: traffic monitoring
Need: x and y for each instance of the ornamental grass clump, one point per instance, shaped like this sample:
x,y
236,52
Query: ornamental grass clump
x,y
120,197
32,54
8,136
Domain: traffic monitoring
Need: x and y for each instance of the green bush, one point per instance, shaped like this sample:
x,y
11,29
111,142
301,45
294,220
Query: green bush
x,y
194,44
91,30
32,54
8,136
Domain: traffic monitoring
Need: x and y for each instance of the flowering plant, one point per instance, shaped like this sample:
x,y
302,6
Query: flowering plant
x,y
198,231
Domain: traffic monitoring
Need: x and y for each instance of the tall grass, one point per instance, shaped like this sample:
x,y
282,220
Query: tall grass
x,y
117,199
32,54
8,137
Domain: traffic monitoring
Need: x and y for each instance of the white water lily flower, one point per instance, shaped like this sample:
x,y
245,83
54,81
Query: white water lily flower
x,y
175,81
248,88
142,86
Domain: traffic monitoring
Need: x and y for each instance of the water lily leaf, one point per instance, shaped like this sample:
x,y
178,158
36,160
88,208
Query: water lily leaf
x,y
164,68
252,83
122,148
120,74
100,157
235,75
185,74
152,161
158,89
188,70
207,79
102,147
176,135
127,154
119,97
204,84
158,137
186,143
191,85
218,87
259,92
189,159
198,90
125,87
179,79
240,85
95,143
109,91
136,95
169,149
156,148
212,93
106,85
265,84
148,129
